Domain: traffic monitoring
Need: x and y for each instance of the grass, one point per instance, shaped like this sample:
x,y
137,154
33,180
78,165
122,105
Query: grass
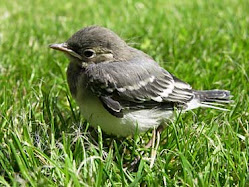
x,y
45,141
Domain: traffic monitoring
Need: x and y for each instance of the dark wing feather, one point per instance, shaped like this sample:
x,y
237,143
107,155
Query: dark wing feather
x,y
112,106
139,83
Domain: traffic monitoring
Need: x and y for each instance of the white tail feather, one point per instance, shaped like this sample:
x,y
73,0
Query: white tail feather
x,y
214,107
195,103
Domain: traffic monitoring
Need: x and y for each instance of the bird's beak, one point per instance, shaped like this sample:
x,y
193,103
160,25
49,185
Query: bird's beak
x,y
64,48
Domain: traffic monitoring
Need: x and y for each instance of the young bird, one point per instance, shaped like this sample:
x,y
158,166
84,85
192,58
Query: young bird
x,y
121,89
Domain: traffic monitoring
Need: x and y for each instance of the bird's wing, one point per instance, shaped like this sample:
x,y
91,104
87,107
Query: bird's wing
x,y
140,83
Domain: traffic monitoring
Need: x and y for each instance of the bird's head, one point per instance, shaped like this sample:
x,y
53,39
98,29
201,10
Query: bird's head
x,y
94,44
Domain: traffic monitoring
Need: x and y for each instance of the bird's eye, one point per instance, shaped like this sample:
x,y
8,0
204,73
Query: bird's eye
x,y
89,53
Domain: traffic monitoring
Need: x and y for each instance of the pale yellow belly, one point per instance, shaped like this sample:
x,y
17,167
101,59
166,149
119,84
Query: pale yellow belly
x,y
94,112
142,120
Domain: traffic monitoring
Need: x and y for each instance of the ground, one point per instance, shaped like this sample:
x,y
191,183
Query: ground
x,y
45,141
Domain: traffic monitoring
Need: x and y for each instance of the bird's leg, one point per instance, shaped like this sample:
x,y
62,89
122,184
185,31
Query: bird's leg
x,y
154,147
158,130
151,143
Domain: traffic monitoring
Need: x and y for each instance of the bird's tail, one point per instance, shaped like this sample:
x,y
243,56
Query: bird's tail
x,y
213,98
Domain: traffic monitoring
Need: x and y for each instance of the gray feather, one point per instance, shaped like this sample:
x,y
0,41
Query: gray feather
x,y
112,106
219,96
141,82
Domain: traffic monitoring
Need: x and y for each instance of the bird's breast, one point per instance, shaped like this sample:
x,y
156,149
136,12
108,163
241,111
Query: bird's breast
x,y
76,79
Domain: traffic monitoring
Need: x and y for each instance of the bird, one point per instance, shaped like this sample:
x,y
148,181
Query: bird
x,y
124,90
